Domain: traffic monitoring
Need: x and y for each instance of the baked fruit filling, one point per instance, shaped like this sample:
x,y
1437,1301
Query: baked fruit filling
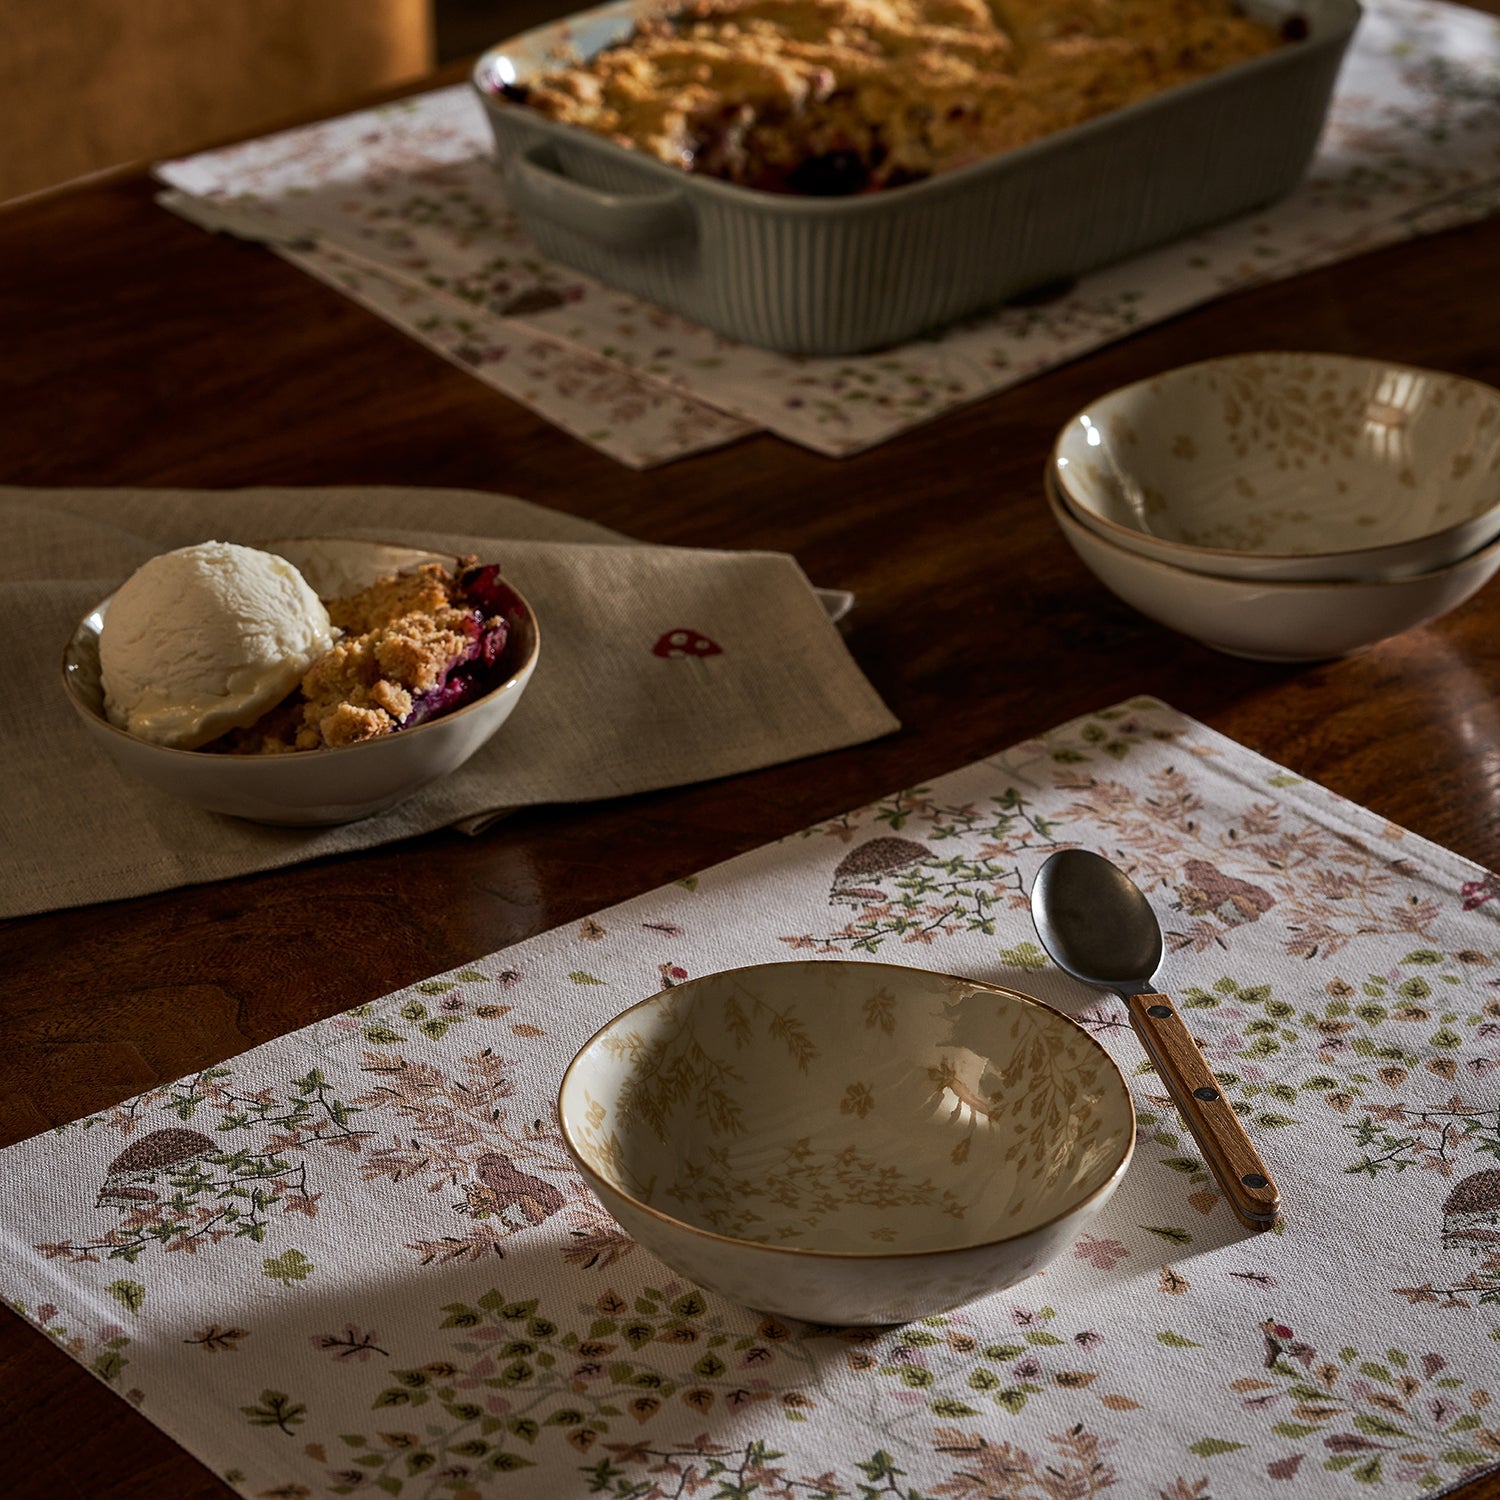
x,y
413,646
833,97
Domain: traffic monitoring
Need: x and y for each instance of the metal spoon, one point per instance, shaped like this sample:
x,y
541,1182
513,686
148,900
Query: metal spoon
x,y
1098,927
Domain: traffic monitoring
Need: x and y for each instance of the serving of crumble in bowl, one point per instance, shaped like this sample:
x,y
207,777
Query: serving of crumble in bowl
x,y
432,655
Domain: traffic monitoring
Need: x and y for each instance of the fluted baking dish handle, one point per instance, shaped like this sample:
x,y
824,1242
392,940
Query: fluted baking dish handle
x,y
539,185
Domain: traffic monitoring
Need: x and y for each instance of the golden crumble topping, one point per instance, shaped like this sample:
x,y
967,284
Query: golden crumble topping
x,y
826,97
400,638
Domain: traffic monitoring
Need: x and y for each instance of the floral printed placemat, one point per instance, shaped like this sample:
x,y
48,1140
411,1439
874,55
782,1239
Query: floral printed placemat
x,y
358,1259
402,209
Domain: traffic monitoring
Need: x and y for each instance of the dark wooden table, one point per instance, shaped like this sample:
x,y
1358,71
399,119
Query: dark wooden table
x,y
139,350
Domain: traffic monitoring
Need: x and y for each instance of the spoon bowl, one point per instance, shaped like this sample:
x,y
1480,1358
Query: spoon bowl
x,y
1098,926
1094,921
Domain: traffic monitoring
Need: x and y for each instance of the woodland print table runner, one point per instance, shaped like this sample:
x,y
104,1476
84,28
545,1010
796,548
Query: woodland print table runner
x,y
357,1260
401,208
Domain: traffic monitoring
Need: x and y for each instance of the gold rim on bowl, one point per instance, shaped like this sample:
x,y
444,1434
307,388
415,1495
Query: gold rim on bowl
x,y
806,1252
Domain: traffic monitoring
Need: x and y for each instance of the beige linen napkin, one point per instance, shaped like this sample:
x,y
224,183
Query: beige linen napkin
x,y
604,716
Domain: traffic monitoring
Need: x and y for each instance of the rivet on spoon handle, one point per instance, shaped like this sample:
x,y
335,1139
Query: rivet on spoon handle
x,y
1231,1157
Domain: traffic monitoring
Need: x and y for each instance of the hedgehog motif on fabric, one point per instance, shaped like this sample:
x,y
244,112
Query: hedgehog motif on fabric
x,y
856,880
1207,892
516,1198
1471,1213
145,1160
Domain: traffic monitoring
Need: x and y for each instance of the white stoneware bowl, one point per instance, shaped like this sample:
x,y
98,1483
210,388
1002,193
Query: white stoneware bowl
x,y
310,787
1296,467
848,1143
1267,619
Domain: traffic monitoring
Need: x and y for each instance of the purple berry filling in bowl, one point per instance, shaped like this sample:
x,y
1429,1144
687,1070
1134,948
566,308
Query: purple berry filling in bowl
x,y
447,724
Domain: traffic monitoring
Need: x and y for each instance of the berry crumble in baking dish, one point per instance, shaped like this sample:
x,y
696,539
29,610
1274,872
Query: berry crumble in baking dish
x,y
964,156
828,98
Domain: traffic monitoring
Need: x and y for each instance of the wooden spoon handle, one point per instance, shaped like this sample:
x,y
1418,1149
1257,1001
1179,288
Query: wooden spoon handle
x,y
1231,1157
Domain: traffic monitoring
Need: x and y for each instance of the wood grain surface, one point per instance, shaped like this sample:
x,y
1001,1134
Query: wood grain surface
x,y
1243,1177
140,350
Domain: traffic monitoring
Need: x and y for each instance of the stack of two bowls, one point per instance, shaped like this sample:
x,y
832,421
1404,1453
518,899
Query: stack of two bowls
x,y
1288,507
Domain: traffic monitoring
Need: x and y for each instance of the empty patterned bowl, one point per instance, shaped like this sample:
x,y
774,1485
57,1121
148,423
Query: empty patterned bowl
x,y
1294,467
848,1143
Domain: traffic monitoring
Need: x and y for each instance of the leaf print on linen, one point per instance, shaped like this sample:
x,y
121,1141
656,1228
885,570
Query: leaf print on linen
x,y
1113,732
276,1409
457,1134
512,1381
1003,1373
131,1295
1075,1469
1211,1447
1325,891
107,1342
215,1339
907,889
1390,1415
1104,1255
429,1009
1255,1278
180,1188
1170,1233
1434,1138
1182,1489
678,1469
1369,1028
289,1268
902,885
1025,956
351,1345
1383,1026
1272,1058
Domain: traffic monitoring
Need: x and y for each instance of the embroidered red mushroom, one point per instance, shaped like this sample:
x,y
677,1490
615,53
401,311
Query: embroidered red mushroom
x,y
681,643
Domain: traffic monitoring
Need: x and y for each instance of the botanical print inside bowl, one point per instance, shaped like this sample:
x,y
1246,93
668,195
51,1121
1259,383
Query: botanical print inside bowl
x,y
1294,466
848,1142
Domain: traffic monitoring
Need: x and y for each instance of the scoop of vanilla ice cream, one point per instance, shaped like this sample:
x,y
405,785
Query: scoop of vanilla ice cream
x,y
205,639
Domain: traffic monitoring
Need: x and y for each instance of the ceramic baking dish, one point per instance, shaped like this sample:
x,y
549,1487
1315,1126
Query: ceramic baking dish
x,y
841,275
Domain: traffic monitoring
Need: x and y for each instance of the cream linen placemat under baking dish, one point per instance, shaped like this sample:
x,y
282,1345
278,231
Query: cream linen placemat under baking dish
x,y
603,716
386,1315
401,209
